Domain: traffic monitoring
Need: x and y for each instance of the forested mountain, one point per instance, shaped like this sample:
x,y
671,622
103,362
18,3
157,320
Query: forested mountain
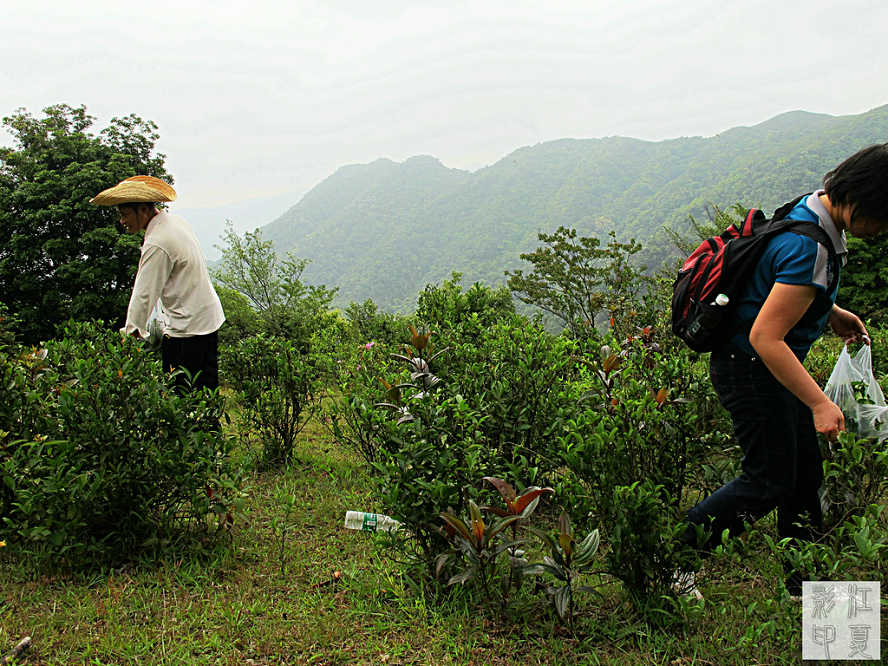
x,y
384,230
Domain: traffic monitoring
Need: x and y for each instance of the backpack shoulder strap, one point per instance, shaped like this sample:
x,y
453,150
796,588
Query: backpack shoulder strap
x,y
784,210
803,228
800,227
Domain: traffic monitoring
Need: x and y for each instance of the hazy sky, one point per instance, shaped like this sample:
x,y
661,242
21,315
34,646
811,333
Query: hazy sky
x,y
257,98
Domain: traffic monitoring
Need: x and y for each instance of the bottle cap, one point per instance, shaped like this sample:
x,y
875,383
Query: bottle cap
x,y
722,299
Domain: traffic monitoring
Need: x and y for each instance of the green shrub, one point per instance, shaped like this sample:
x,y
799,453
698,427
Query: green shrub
x,y
645,538
432,463
370,324
633,452
517,375
115,458
855,548
448,309
855,477
276,384
350,412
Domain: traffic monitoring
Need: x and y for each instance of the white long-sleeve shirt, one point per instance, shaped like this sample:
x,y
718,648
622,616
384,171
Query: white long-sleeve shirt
x,y
172,268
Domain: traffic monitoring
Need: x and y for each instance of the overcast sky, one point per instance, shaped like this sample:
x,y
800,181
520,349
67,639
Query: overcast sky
x,y
257,98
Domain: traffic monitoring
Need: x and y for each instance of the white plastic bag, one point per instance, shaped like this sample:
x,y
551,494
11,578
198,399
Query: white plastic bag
x,y
870,421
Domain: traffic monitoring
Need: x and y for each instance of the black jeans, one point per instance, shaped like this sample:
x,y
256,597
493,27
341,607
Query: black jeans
x,y
782,465
198,354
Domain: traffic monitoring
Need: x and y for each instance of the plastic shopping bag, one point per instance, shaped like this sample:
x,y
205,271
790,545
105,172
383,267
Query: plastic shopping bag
x,y
851,386
157,326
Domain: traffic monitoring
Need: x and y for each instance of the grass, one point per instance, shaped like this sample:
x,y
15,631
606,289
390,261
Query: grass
x,y
294,587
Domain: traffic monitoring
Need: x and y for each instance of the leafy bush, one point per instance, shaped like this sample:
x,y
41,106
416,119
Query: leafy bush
x,y
646,539
115,458
351,413
284,306
430,453
447,308
482,547
446,431
372,325
633,452
855,476
432,463
276,383
516,375
477,543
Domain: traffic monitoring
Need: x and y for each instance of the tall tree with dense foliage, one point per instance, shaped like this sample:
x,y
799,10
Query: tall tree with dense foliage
x,y
578,281
60,256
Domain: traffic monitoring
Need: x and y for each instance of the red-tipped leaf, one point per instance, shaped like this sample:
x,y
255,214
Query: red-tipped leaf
x,y
504,489
528,496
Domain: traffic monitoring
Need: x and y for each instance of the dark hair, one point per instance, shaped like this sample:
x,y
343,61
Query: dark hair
x,y
134,205
861,181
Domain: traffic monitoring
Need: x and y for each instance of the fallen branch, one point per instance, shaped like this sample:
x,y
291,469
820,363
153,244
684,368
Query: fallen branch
x,y
23,645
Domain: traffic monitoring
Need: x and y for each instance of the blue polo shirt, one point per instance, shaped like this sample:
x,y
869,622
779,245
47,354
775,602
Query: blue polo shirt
x,y
793,259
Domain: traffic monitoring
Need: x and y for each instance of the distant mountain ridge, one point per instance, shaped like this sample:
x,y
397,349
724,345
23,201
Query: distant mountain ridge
x,y
384,230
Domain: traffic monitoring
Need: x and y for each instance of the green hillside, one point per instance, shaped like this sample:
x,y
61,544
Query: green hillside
x,y
384,230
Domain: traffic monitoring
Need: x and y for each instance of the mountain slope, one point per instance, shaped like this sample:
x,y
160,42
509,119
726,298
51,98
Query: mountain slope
x,y
384,230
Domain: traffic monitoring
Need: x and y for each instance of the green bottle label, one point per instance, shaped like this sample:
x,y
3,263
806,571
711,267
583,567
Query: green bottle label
x,y
369,522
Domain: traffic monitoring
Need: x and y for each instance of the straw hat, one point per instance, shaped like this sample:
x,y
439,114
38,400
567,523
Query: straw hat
x,y
138,189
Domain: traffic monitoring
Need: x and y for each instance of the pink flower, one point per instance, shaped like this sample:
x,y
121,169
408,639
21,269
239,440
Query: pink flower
x,y
369,344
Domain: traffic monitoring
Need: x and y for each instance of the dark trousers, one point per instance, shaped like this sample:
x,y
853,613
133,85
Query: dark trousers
x,y
199,355
782,465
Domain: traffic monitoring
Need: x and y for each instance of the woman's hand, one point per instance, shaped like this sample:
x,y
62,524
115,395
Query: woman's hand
x,y
847,325
828,419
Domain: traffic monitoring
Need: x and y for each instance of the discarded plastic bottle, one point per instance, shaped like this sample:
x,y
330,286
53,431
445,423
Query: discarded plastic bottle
x,y
705,324
370,522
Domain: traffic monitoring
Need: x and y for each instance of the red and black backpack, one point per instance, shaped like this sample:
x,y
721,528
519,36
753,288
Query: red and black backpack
x,y
711,280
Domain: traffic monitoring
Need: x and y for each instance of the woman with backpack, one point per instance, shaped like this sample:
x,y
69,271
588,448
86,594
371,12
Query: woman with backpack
x,y
776,407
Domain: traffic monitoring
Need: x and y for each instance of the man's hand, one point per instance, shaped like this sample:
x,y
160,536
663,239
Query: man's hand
x,y
828,419
847,325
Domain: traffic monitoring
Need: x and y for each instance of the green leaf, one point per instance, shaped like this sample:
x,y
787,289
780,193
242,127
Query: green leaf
x,y
562,600
498,526
587,549
464,576
457,525
566,541
564,525
547,538
535,569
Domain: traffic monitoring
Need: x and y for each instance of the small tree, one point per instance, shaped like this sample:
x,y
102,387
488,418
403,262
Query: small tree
x,y
287,307
697,232
578,281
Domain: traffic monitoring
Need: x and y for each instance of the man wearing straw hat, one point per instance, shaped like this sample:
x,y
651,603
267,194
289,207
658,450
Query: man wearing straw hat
x,y
172,268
